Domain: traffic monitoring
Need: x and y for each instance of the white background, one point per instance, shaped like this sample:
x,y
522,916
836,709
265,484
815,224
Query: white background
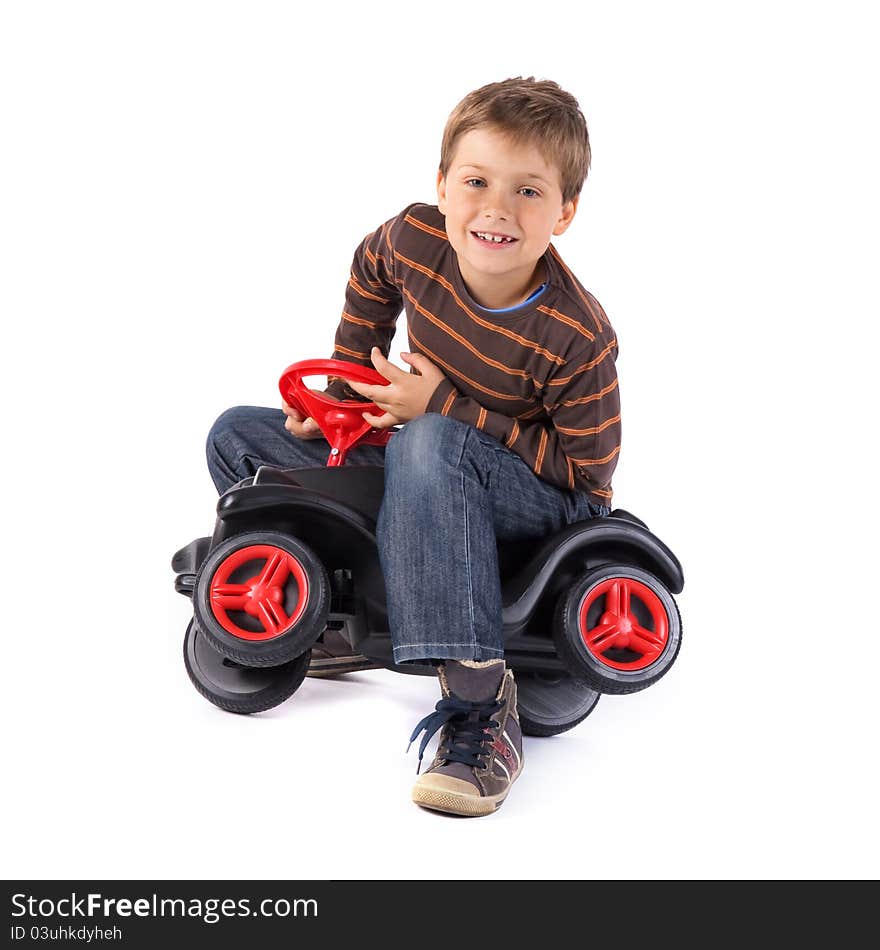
x,y
183,185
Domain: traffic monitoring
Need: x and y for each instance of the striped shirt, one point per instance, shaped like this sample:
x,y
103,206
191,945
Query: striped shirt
x,y
540,377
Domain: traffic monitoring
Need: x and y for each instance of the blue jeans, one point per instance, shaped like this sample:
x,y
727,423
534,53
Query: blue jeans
x,y
451,493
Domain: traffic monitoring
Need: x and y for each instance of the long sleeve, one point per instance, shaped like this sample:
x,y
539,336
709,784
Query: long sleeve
x,y
372,305
573,439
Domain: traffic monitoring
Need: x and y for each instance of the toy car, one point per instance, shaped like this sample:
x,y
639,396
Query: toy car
x,y
586,611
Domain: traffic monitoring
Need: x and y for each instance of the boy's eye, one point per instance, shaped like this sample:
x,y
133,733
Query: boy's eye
x,y
531,192
476,182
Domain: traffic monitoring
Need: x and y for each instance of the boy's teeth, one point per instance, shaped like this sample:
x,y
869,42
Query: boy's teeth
x,y
493,237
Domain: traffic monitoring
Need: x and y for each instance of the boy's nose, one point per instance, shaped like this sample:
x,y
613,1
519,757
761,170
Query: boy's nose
x,y
495,205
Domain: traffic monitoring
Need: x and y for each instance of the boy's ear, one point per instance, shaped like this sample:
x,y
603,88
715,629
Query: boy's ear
x,y
568,212
441,192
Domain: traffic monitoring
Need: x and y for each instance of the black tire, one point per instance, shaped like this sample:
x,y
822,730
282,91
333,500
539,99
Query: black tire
x,y
253,634
639,657
237,688
552,703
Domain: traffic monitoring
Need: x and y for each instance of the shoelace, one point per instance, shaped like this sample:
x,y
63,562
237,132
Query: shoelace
x,y
467,734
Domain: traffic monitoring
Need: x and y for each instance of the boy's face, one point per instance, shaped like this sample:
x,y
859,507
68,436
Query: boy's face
x,y
496,187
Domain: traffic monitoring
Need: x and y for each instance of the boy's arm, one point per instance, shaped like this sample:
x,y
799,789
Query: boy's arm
x,y
579,447
372,304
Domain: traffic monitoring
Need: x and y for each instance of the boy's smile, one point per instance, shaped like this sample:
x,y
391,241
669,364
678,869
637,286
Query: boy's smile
x,y
503,203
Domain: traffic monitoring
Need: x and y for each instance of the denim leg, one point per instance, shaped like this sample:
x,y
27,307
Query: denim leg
x,y
525,506
451,492
245,437
436,544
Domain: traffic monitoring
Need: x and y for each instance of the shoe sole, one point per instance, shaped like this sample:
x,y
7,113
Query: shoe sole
x,y
336,666
439,798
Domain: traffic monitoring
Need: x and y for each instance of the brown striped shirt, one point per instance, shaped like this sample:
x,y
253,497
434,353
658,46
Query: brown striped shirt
x,y
540,378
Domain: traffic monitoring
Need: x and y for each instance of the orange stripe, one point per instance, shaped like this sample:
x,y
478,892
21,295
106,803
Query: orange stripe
x,y
351,318
450,369
514,435
364,293
481,418
426,227
384,260
577,287
595,430
354,353
539,461
529,344
597,461
374,258
463,342
450,399
586,399
602,492
581,369
570,474
568,321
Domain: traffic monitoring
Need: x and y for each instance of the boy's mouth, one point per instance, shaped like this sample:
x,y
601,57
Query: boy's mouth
x,y
493,239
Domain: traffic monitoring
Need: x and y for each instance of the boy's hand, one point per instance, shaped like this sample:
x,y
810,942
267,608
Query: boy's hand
x,y
407,396
296,425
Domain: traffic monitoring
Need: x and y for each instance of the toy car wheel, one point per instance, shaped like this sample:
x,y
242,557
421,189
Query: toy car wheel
x,y
261,598
237,688
619,628
550,703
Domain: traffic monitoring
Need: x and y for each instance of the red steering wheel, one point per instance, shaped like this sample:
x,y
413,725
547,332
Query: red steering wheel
x,y
340,421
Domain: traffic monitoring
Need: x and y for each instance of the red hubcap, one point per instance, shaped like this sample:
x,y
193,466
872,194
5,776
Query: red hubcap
x,y
275,596
618,625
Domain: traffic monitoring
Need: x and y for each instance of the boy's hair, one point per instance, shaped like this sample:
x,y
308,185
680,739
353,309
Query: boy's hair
x,y
537,112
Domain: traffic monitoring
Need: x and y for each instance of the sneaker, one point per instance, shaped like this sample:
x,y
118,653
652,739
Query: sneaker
x,y
333,655
479,755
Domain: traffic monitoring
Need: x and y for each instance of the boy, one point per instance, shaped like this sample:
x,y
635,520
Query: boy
x,y
510,412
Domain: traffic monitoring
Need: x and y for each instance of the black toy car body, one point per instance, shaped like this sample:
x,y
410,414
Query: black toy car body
x,y
293,553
